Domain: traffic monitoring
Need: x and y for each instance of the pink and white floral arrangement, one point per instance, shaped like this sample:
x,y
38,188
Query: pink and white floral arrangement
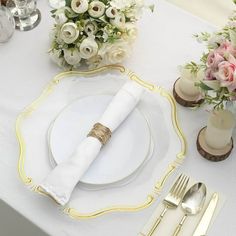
x,y
94,32
218,64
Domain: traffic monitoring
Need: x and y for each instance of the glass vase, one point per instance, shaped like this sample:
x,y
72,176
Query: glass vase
x,y
7,24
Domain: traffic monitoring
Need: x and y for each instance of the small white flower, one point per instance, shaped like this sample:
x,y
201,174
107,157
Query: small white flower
x,y
131,30
79,6
69,32
60,16
114,53
57,4
111,12
88,48
72,56
119,21
56,57
215,40
96,9
55,34
135,11
90,27
121,4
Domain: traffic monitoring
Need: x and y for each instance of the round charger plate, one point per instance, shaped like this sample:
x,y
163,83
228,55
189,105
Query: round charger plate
x,y
119,159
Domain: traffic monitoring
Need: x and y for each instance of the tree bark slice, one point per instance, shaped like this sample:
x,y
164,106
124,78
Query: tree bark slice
x,y
3,2
209,153
184,100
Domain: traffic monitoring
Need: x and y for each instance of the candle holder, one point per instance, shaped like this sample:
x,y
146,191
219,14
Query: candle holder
x,y
26,15
184,99
209,153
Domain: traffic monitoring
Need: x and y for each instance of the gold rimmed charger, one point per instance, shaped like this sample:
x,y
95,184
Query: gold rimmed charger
x,y
85,81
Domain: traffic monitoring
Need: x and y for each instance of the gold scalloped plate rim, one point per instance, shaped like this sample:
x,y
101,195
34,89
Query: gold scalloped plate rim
x,y
151,197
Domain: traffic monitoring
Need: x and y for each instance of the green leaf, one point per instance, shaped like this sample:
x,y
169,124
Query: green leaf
x,y
53,11
71,14
204,86
152,7
68,3
193,67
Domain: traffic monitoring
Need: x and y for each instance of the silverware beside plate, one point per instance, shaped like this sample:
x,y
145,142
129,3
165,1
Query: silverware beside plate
x,y
172,200
192,203
206,218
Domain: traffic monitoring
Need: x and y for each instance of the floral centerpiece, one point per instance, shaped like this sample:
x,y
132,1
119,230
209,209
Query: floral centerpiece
x,y
218,64
94,32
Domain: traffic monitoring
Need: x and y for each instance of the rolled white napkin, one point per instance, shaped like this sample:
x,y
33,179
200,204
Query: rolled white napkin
x,y
61,181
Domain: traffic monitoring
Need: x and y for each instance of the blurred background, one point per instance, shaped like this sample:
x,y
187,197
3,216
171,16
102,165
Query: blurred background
x,y
215,12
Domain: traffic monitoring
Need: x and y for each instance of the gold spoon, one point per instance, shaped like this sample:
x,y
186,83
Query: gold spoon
x,y
192,203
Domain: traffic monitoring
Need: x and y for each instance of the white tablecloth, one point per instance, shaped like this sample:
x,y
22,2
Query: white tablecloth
x,y
214,11
165,41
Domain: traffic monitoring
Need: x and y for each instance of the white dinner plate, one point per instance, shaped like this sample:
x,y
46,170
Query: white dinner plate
x,y
126,152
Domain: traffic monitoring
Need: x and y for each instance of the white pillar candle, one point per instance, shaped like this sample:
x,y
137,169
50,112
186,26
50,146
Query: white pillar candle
x,y
187,83
219,129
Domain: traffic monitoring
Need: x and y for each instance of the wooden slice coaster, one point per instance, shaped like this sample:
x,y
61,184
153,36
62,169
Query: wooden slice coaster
x,y
210,153
184,100
3,2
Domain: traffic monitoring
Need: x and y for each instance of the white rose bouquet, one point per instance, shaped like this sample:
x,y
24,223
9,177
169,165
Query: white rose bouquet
x,y
94,32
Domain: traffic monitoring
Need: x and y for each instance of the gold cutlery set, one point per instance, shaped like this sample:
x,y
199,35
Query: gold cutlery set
x,y
192,201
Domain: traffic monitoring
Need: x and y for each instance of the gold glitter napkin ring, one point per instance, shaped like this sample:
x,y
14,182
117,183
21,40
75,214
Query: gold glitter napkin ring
x,y
101,132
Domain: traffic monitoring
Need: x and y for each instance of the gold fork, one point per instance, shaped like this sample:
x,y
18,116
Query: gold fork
x,y
172,200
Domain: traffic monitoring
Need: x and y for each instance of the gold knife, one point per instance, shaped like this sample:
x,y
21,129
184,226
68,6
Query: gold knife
x,y
205,221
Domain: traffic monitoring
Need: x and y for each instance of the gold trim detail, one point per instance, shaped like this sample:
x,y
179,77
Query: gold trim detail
x,y
27,180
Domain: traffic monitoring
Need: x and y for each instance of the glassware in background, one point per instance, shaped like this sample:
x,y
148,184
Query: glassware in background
x,y
26,15
7,24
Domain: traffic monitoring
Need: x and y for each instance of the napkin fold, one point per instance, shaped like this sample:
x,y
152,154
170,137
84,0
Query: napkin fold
x,y
60,183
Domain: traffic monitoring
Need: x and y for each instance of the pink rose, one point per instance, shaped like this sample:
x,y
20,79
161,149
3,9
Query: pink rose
x,y
209,75
214,59
226,75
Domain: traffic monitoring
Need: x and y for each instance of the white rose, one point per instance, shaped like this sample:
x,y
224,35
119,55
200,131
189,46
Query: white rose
x,y
111,12
69,32
115,53
56,57
72,56
88,48
91,27
132,31
96,9
79,6
119,21
60,17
